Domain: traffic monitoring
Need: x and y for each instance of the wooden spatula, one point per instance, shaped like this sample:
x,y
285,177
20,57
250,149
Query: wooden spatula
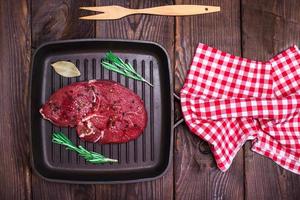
x,y
117,12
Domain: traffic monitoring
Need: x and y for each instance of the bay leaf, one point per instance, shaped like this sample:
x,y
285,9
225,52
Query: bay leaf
x,y
66,69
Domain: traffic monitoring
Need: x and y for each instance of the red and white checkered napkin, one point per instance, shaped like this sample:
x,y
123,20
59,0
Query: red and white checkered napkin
x,y
227,100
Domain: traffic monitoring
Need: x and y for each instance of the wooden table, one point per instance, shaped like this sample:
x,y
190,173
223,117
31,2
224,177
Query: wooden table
x,y
251,28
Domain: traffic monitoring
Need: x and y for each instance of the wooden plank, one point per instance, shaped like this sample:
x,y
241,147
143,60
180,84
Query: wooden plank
x,y
158,189
56,20
196,174
139,27
14,125
268,28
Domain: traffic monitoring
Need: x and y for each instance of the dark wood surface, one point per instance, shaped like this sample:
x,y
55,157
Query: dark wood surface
x,y
251,28
268,28
196,176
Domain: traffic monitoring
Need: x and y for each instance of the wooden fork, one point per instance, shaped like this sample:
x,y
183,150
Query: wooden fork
x,y
117,12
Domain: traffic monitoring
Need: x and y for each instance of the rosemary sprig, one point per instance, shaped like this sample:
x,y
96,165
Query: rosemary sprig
x,y
90,156
116,64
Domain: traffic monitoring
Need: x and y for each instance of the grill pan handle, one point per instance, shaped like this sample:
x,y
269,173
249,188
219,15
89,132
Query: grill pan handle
x,y
179,121
203,146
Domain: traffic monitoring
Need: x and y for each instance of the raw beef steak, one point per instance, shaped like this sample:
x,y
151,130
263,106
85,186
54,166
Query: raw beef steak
x,y
103,111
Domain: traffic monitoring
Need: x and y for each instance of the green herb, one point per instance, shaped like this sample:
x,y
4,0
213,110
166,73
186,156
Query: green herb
x,y
116,64
90,156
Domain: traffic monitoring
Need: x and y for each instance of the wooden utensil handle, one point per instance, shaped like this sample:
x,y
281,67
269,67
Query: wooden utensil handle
x,y
177,10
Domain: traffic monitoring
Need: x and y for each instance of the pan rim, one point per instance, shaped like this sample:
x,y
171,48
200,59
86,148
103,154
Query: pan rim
x,y
164,171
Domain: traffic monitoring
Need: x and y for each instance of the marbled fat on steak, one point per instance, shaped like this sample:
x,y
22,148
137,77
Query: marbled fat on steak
x,y
101,111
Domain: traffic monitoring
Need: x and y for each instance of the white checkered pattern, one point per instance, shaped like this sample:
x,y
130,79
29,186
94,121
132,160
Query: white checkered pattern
x,y
227,100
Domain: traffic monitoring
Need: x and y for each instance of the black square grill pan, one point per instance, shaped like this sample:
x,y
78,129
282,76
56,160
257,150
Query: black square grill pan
x,y
145,158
